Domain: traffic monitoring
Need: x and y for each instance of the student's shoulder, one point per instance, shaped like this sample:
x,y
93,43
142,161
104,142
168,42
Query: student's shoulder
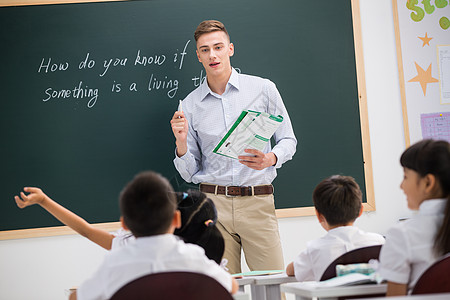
x,y
402,229
370,237
320,242
189,250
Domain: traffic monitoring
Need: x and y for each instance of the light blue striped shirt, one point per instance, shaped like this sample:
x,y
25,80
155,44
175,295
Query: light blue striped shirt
x,y
210,116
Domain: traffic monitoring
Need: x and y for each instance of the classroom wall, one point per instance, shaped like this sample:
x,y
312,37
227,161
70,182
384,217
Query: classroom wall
x,y
43,268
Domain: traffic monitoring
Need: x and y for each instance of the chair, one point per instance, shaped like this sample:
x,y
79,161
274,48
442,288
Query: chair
x,y
173,286
435,279
355,256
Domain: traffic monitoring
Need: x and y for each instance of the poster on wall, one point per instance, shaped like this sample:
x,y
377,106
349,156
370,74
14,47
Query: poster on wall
x,y
422,31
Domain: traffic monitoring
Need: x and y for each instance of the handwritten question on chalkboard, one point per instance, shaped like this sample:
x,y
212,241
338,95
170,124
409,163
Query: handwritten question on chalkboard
x,y
83,90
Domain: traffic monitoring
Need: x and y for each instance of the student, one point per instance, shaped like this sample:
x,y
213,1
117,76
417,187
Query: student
x,y
193,205
338,202
148,208
240,189
413,245
198,220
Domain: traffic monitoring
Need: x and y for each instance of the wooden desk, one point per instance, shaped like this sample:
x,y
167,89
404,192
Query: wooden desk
x,y
303,291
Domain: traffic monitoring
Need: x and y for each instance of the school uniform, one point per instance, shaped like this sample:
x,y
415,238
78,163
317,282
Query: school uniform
x,y
408,251
148,255
121,238
320,253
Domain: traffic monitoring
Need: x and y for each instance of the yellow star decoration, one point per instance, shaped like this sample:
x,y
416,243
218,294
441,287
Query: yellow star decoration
x,y
426,40
423,77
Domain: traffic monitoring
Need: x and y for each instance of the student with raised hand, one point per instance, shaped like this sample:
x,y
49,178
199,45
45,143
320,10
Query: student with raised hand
x,y
338,203
34,195
149,210
198,216
413,245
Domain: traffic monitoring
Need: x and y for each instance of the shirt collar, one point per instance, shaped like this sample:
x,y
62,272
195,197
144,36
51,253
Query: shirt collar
x,y
233,81
157,239
342,230
432,207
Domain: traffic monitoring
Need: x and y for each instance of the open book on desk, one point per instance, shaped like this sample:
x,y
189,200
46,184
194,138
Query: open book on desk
x,y
344,280
252,130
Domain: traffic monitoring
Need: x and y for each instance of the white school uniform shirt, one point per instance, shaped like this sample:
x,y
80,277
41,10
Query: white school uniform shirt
x,y
408,251
148,255
121,238
320,253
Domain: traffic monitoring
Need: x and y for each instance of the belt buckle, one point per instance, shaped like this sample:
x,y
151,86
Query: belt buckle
x,y
226,192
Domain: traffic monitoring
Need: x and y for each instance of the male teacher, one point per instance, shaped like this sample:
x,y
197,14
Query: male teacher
x,y
241,189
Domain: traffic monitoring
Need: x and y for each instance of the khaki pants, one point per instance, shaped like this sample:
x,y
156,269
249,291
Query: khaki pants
x,y
249,222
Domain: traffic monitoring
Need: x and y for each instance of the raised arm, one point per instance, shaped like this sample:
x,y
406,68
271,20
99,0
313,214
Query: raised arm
x,y
37,196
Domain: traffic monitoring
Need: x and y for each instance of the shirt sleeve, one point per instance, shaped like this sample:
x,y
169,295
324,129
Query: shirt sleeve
x,y
394,257
286,142
303,267
189,164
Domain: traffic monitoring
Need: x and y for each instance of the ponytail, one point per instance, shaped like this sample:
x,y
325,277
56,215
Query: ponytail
x,y
198,224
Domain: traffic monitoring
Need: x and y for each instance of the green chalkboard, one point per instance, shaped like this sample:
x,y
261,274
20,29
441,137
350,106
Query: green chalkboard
x,y
87,92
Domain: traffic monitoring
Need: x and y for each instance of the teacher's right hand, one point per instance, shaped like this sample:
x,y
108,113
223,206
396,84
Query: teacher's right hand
x,y
180,130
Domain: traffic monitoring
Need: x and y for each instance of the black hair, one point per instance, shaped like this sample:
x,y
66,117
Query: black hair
x,y
338,198
198,223
433,157
147,204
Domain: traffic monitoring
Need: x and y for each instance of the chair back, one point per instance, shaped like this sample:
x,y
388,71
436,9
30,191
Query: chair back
x,y
435,279
355,256
173,285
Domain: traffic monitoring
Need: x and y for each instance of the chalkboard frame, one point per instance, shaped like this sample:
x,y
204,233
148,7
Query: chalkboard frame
x,y
281,213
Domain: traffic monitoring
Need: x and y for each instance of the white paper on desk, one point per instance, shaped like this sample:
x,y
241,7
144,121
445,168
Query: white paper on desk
x,y
252,130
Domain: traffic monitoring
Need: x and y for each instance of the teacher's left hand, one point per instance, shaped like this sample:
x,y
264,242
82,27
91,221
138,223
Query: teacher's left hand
x,y
259,160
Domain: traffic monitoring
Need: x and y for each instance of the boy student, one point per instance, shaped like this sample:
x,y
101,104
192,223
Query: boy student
x,y
240,189
148,207
337,200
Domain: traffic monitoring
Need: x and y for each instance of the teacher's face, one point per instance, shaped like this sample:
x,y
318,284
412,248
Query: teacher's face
x,y
214,51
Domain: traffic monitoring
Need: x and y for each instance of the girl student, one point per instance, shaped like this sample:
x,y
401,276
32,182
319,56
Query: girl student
x,y
198,216
413,245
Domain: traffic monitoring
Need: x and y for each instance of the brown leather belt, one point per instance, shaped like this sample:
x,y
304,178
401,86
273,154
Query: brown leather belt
x,y
233,191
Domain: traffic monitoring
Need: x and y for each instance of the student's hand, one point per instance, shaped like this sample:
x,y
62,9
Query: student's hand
x,y
180,130
259,161
234,286
290,269
35,196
